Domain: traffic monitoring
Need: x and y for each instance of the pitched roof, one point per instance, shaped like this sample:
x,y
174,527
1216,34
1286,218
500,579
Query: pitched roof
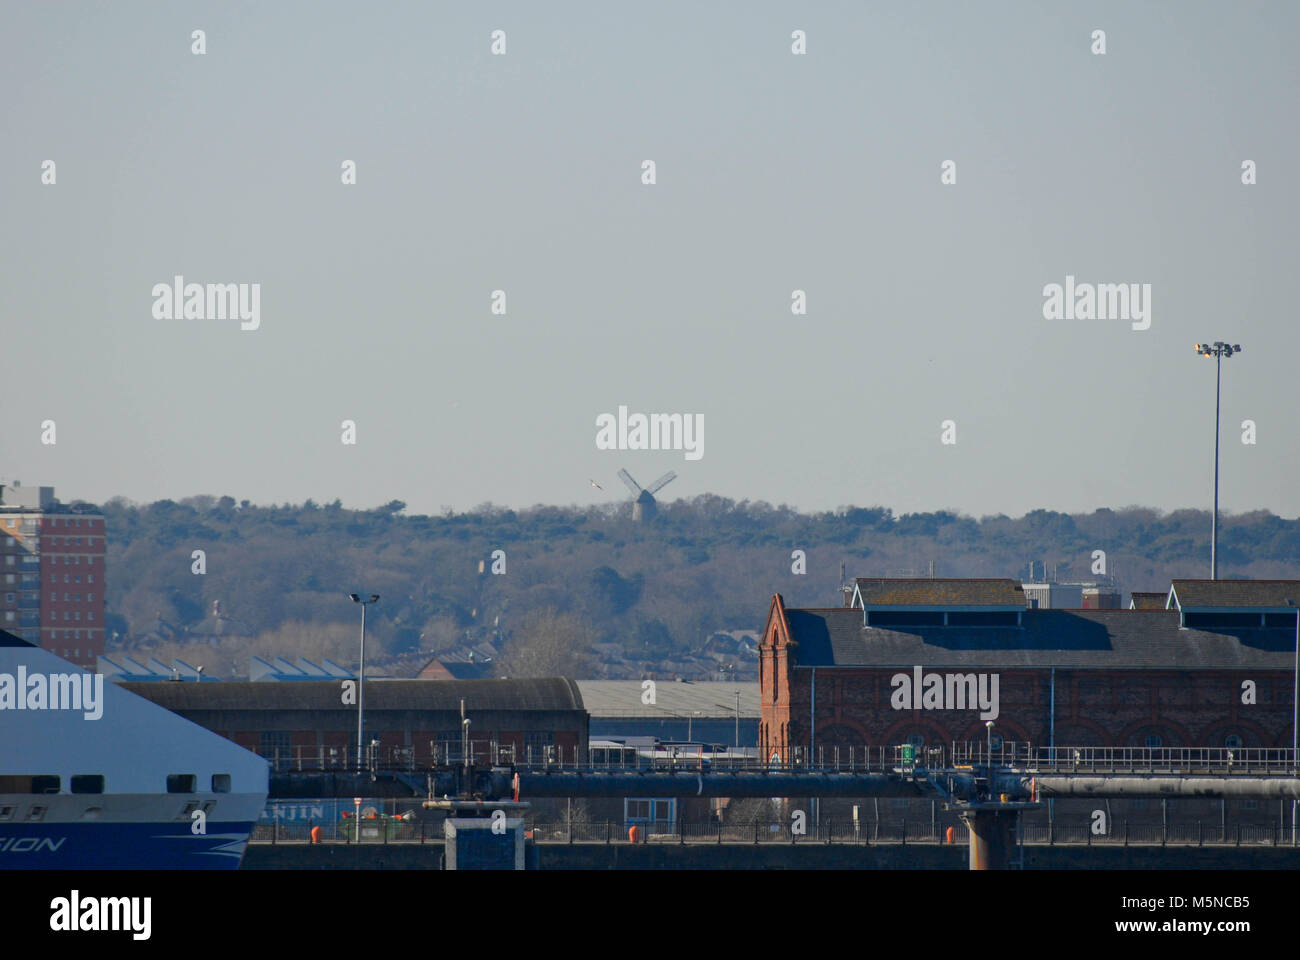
x,y
1142,600
1236,593
544,694
1096,639
931,591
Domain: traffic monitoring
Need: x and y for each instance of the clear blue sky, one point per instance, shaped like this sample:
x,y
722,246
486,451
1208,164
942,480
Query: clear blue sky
x,y
775,172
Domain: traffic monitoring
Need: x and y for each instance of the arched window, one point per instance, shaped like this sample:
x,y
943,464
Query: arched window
x,y
1232,741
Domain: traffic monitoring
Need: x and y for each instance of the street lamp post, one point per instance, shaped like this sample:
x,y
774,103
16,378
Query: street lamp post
x,y
361,678
1218,350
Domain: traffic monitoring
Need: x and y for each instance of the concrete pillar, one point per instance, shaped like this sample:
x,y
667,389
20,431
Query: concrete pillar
x,y
992,838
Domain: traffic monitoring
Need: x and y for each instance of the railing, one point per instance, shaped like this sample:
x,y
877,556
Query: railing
x,y
1018,756
392,757
1100,760
391,830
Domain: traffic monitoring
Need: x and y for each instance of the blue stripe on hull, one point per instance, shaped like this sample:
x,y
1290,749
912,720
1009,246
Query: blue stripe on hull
x,y
121,846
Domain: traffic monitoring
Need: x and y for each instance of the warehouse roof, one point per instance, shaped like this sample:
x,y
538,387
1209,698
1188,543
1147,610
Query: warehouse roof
x,y
936,592
1192,594
622,698
1100,639
545,694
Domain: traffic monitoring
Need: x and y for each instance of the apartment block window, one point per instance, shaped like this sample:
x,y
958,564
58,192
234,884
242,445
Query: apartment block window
x,y
77,615
90,615
67,597
91,578
9,616
9,598
76,579
90,598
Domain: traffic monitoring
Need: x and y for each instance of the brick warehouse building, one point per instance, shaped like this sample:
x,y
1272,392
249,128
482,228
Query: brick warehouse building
x,y
1167,677
308,719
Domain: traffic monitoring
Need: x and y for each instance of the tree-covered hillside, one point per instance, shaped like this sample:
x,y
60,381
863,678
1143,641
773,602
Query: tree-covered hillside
x,y
637,595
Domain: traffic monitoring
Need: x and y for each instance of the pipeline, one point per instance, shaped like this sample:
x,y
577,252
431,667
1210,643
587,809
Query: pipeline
x,y
696,784
1148,786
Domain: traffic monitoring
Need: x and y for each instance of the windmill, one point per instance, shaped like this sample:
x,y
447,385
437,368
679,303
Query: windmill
x,y
643,503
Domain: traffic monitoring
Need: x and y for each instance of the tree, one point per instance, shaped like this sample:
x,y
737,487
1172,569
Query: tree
x,y
549,644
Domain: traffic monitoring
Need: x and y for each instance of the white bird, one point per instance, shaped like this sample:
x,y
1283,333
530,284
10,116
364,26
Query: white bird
x,y
595,484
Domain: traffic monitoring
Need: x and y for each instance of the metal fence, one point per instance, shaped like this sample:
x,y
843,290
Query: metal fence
x,y
1173,760
865,758
828,831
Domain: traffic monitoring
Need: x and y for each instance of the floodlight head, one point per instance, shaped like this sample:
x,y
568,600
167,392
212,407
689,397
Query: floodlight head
x,y
1236,347
988,723
374,598
355,598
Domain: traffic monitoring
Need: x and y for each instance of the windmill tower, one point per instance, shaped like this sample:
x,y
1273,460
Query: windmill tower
x,y
643,502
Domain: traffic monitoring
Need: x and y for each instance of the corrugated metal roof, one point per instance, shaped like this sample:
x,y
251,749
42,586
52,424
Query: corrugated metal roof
x,y
1236,593
546,694
1101,639
927,591
622,698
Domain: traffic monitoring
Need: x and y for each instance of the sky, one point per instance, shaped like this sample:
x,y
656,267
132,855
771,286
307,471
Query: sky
x,y
774,172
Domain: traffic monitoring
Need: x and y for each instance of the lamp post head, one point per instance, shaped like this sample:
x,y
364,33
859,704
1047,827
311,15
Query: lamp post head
x,y
988,723
355,598
374,598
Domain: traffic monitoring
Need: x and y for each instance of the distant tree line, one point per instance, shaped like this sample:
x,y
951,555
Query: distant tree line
x,y
584,584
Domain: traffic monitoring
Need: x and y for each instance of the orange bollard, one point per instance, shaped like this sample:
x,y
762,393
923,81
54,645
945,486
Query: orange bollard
x,y
315,834
633,833
949,835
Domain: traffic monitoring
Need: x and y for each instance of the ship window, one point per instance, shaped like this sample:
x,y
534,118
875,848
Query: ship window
x,y
37,812
181,782
88,783
6,813
28,783
221,783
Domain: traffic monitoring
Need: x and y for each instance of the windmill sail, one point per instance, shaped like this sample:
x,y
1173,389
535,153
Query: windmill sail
x,y
631,484
661,482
